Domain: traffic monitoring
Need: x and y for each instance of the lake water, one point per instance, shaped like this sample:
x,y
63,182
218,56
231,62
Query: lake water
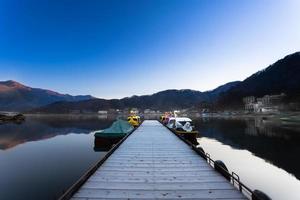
x,y
45,155
264,153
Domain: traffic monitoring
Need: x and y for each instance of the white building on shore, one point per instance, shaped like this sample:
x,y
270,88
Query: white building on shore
x,y
265,104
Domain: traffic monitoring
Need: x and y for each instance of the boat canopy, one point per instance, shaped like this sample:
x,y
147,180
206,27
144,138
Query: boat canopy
x,y
180,123
181,119
119,127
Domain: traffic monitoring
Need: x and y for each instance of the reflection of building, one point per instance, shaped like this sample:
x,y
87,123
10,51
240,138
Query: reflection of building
x,y
265,104
134,111
102,112
149,111
75,112
266,127
259,127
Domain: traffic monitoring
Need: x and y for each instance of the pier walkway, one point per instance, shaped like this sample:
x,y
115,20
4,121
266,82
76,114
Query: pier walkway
x,y
152,163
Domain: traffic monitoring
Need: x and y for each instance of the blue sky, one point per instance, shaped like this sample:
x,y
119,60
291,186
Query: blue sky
x,y
113,49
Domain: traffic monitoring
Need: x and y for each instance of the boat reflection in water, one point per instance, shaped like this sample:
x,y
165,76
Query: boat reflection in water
x,y
105,143
192,139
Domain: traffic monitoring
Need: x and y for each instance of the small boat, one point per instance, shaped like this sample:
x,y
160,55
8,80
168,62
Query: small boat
x,y
105,139
119,128
182,126
162,118
134,120
165,118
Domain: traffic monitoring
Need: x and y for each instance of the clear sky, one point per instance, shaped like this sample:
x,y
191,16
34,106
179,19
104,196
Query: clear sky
x,y
113,49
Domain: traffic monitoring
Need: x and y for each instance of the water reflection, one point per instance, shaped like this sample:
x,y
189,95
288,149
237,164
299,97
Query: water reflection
x,y
45,155
39,128
192,139
263,151
104,143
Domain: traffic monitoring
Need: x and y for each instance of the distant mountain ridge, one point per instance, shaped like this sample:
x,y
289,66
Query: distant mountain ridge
x,y
164,100
281,77
15,96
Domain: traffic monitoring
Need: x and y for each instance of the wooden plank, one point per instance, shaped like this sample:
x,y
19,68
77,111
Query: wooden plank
x,y
161,186
162,174
75,198
158,194
156,179
154,164
157,165
162,161
155,169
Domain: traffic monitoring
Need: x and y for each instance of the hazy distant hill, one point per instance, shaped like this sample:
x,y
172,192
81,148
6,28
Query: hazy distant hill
x,y
17,97
281,77
164,100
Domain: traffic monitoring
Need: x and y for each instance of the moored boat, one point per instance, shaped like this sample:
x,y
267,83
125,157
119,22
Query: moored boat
x,y
134,120
182,125
119,128
164,119
105,139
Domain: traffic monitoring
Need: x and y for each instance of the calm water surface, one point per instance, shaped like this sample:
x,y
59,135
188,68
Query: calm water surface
x,y
45,155
263,152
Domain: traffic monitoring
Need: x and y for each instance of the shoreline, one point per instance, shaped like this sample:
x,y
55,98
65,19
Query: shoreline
x,y
282,115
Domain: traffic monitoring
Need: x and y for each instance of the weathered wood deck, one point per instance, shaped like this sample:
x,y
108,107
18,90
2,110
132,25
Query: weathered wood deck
x,y
152,163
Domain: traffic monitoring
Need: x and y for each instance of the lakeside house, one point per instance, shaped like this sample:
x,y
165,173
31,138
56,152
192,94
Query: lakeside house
x,y
265,104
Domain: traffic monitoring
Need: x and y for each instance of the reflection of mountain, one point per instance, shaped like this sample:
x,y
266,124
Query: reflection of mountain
x,y
45,127
280,146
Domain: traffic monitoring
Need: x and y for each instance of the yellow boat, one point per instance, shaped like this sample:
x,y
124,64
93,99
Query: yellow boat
x,y
134,120
165,117
162,118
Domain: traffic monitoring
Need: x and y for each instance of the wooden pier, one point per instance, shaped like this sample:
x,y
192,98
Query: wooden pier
x,y
152,163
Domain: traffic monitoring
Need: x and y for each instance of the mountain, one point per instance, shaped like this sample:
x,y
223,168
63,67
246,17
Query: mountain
x,y
281,77
164,100
17,97
222,89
